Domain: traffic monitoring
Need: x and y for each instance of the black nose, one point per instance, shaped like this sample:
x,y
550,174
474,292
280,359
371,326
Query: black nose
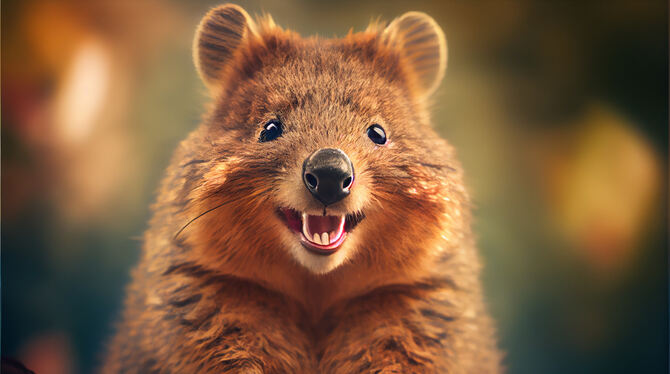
x,y
328,175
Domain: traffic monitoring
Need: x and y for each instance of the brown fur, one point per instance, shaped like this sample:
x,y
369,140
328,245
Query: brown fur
x,y
233,291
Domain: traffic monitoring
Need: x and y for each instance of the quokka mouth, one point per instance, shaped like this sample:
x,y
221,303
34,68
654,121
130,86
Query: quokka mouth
x,y
321,234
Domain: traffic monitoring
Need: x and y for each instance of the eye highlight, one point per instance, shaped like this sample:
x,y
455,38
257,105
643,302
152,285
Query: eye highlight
x,y
272,130
377,134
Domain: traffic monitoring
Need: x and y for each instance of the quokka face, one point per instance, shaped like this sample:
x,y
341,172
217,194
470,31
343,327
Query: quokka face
x,y
320,150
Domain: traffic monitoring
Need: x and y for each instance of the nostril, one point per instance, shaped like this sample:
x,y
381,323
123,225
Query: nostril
x,y
347,182
311,180
328,175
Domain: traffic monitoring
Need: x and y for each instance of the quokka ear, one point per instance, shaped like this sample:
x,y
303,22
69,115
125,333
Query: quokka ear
x,y
220,34
422,45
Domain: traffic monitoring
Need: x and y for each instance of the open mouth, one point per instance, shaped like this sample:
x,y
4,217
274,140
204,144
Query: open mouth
x,y
321,234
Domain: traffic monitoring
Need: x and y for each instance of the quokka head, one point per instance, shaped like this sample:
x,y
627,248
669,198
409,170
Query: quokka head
x,y
320,151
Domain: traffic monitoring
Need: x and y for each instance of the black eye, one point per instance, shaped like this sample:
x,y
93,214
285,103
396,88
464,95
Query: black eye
x,y
377,134
272,131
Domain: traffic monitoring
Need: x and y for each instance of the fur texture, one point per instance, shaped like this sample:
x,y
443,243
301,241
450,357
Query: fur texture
x,y
224,286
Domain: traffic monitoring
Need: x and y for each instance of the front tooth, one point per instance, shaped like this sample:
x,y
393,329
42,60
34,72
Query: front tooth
x,y
304,225
316,239
324,238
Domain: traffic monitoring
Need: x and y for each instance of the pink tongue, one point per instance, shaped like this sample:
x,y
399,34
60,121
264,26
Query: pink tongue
x,y
333,225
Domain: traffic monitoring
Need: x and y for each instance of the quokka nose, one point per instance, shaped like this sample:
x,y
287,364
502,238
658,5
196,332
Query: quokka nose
x,y
328,174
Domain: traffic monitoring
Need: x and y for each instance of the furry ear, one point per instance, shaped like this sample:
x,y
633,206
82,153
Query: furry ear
x,y
422,45
220,33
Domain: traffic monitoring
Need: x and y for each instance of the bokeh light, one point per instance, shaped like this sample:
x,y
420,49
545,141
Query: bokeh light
x,y
558,110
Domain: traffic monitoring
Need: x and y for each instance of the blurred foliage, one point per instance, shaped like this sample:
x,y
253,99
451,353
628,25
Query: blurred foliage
x,y
558,109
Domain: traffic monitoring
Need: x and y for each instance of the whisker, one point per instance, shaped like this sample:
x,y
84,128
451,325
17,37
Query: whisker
x,y
437,166
193,162
198,216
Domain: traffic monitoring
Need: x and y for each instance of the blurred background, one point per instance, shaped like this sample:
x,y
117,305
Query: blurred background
x,y
559,110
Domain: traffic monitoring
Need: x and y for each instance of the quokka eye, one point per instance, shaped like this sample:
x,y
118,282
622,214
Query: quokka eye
x,y
377,134
272,130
